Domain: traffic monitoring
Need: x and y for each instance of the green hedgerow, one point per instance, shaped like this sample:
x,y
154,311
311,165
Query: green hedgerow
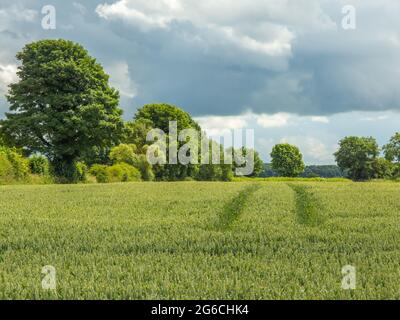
x,y
18,162
81,171
120,172
6,169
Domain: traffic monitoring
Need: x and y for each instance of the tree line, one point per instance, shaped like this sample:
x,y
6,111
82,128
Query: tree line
x,y
64,112
65,123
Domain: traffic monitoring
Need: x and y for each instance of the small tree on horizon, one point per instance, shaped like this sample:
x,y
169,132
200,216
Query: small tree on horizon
x,y
287,160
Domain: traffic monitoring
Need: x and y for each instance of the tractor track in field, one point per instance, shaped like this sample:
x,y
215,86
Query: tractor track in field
x,y
233,209
307,207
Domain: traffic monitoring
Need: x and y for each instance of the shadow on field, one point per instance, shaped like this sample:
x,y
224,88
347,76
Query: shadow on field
x,y
307,207
234,208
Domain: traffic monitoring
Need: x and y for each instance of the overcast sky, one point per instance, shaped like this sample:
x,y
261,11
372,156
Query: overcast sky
x,y
286,68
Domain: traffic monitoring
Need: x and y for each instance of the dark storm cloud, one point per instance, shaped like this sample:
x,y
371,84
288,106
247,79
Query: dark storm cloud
x,y
264,56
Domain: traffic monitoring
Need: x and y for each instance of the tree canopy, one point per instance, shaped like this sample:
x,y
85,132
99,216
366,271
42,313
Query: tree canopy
x,y
356,156
62,105
392,154
287,160
159,116
392,149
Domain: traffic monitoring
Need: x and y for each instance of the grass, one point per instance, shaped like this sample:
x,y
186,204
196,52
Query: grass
x,y
160,241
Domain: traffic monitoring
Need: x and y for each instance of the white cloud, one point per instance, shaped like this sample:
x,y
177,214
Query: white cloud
x,y
8,74
144,14
280,45
314,150
211,18
319,119
273,121
266,121
372,118
14,14
227,122
217,126
121,80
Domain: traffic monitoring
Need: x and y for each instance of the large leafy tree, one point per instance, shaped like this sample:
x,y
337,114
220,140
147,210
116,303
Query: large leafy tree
x,y
287,160
356,156
62,105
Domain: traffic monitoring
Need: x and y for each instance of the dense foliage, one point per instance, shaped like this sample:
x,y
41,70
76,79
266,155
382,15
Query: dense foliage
x,y
322,171
120,172
392,149
62,105
313,171
13,166
287,160
356,156
159,115
392,154
38,164
240,157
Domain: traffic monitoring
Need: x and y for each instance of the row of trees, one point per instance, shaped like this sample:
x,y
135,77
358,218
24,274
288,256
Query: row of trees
x,y
359,158
64,109
64,112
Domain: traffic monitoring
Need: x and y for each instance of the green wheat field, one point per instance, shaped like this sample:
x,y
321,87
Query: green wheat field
x,y
194,240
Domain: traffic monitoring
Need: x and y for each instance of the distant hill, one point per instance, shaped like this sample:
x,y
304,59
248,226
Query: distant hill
x,y
323,171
